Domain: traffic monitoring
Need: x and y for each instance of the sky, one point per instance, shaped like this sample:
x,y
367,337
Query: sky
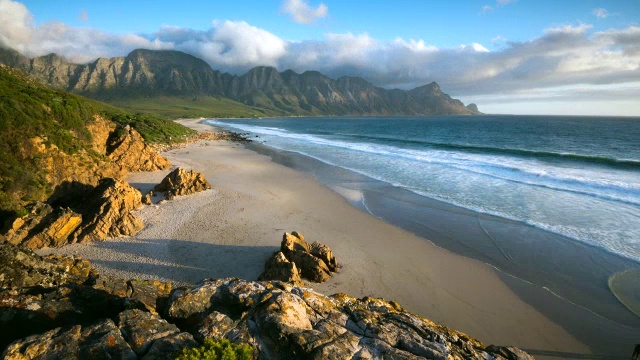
x,y
567,57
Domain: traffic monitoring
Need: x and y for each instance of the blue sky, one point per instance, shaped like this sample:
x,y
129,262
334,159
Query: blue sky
x,y
509,56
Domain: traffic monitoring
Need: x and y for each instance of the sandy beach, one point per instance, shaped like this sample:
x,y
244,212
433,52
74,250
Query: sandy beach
x,y
233,228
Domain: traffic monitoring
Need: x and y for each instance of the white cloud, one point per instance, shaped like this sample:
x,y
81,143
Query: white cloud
x,y
487,8
302,12
600,13
16,23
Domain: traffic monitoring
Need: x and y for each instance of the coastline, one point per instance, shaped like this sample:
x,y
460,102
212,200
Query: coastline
x,y
232,229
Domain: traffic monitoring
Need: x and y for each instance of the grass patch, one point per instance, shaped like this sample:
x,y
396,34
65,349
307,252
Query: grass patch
x,y
175,107
218,350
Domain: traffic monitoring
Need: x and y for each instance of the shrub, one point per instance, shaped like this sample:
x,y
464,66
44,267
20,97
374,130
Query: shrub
x,y
218,350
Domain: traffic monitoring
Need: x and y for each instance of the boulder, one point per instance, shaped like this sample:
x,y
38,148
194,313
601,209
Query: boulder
x,y
278,267
182,182
297,258
127,150
107,212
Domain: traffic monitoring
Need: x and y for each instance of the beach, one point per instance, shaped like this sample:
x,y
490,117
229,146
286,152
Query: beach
x,y
230,230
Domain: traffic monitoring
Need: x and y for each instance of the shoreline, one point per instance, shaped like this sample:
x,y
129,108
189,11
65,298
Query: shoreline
x,y
256,199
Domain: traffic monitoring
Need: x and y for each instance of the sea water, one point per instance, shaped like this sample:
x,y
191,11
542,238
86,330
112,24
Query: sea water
x,y
574,176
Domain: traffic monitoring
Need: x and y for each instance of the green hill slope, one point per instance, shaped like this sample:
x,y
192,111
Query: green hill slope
x,y
45,138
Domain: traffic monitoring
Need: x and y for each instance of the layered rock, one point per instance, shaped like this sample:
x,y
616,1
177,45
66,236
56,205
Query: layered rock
x,y
297,259
107,212
129,152
181,182
94,213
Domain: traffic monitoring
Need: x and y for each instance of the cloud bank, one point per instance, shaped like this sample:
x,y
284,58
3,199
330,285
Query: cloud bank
x,y
563,62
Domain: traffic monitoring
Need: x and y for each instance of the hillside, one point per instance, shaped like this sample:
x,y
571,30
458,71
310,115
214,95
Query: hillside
x,y
177,84
49,137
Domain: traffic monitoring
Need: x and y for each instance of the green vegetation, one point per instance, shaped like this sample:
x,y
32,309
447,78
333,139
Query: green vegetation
x,y
175,107
29,110
218,350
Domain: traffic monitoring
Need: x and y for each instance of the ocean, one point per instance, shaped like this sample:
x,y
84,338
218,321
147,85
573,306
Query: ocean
x,y
578,177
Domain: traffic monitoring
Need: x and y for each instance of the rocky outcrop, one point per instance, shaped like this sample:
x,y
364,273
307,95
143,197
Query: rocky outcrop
x,y
127,150
21,268
60,308
181,182
94,213
297,259
286,322
107,212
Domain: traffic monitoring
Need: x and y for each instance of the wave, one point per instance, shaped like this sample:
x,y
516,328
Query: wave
x,y
380,162
521,172
542,155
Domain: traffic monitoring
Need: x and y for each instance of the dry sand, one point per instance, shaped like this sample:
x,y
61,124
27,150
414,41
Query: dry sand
x,y
231,230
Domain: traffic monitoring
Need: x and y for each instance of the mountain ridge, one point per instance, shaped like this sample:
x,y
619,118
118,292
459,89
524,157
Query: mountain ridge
x,y
154,73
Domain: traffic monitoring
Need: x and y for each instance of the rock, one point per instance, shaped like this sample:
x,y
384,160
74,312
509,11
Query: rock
x,y
277,267
313,262
127,150
55,229
182,182
140,329
636,353
311,267
278,320
293,242
22,268
288,322
93,213
17,230
107,212
146,200
101,340
323,252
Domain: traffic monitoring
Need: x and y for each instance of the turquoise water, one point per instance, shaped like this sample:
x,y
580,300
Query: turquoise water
x,y
575,176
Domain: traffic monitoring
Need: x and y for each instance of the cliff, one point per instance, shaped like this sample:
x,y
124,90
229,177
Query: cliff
x,y
154,73
53,300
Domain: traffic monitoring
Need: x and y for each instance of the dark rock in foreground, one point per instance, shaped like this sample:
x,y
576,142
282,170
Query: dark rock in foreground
x,y
181,182
58,308
288,322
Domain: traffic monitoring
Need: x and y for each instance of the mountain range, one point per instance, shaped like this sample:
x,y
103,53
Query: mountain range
x,y
154,74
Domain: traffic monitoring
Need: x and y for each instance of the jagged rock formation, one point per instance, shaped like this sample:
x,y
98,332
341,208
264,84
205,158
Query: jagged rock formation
x,y
170,73
181,182
50,301
98,213
107,212
129,152
297,259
